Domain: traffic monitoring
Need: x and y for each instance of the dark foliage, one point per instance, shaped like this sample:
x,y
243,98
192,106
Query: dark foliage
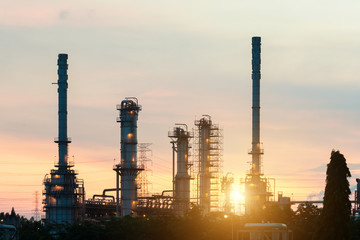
x,y
335,217
355,229
306,221
193,226
34,230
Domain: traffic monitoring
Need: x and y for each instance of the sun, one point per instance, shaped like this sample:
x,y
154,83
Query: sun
x,y
237,196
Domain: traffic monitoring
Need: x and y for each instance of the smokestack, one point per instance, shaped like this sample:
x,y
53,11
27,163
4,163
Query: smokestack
x,y
64,193
62,140
257,190
256,151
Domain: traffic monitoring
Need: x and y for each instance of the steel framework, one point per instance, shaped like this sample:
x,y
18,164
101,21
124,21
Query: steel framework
x,y
144,160
208,146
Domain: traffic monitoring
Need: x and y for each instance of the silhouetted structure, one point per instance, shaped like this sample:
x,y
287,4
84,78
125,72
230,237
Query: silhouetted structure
x,y
256,186
208,152
128,168
356,210
64,193
180,137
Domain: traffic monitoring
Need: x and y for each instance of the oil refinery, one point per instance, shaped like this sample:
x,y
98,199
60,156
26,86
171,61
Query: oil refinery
x,y
197,173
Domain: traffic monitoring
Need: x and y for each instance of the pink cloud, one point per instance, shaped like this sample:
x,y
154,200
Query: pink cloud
x,y
28,15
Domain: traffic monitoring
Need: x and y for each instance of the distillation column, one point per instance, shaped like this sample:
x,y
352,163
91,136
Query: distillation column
x,y
204,126
208,150
128,168
180,137
64,194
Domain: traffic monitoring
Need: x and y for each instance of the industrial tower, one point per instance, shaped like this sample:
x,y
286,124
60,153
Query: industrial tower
x,y
208,150
64,193
144,160
256,185
128,168
180,137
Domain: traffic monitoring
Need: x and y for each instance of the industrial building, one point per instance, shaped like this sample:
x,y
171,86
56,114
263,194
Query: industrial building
x,y
197,177
65,194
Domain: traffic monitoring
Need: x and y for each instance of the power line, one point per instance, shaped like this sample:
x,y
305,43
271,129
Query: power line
x,y
20,174
36,210
20,185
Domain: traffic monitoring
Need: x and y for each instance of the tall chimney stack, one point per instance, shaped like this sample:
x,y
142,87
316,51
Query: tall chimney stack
x,y
256,150
257,187
64,193
62,90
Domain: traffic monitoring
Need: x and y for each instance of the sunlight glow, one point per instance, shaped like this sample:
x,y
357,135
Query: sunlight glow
x,y
237,196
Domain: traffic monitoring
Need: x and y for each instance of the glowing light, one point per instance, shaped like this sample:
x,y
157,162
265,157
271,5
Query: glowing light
x,y
52,201
237,196
130,135
58,188
226,216
56,176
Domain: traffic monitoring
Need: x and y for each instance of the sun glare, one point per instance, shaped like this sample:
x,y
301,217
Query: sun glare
x,y
237,196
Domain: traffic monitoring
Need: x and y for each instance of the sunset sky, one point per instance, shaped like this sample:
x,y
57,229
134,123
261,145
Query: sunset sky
x,y
181,59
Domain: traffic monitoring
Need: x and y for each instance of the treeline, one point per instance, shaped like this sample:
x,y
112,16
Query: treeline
x,y
303,222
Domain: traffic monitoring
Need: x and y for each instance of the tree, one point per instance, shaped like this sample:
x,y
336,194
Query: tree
x,y
335,217
34,230
276,214
306,221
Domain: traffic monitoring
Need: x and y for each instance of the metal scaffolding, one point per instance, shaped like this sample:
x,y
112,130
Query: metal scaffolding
x,y
144,161
208,146
156,205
